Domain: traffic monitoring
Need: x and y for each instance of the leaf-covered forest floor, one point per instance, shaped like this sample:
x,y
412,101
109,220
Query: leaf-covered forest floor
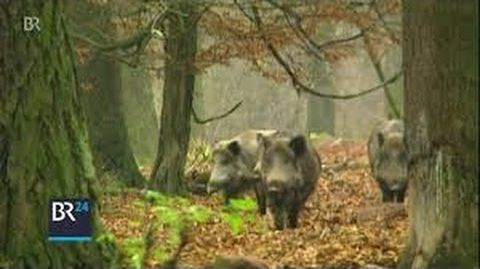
x,y
344,222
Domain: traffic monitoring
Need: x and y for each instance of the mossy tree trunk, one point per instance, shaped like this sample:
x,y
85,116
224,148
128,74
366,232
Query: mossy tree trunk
x,y
441,106
44,152
179,80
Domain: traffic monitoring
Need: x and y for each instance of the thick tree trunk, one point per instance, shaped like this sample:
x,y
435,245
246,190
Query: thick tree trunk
x,y
44,152
181,47
106,122
441,105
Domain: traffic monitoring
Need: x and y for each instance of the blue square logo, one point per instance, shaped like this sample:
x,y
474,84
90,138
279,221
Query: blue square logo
x,y
70,220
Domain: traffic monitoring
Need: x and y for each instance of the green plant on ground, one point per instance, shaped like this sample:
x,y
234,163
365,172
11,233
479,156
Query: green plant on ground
x,y
172,214
239,213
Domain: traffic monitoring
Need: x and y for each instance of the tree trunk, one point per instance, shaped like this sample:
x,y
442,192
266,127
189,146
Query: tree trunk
x,y
181,47
112,151
106,122
44,150
138,103
441,105
321,111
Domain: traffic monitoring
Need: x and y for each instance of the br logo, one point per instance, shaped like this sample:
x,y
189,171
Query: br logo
x,y
70,220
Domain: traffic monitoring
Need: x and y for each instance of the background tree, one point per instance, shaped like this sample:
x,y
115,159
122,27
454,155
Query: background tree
x,y
276,48
44,150
102,97
441,114
179,79
329,32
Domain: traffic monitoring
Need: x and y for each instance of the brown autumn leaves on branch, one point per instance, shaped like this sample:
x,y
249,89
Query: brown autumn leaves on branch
x,y
228,32
292,31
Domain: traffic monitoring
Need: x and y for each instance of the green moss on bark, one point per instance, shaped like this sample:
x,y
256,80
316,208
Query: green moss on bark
x,y
441,93
43,142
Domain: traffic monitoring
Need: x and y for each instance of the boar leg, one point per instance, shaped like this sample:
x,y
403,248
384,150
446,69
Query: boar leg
x,y
401,195
293,208
229,193
261,196
232,190
277,208
387,194
278,217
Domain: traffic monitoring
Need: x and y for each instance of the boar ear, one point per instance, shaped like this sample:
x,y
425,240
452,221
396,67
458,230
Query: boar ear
x,y
234,147
381,139
298,144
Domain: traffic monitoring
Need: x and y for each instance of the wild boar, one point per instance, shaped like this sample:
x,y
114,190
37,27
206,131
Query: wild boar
x,y
289,168
388,158
233,164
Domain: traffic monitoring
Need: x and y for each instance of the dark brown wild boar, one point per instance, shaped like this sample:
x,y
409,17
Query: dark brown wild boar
x,y
233,164
289,168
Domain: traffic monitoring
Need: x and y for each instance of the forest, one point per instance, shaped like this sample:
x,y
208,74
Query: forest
x,y
239,134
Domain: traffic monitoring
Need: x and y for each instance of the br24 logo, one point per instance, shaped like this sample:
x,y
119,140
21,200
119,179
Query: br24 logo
x,y
63,209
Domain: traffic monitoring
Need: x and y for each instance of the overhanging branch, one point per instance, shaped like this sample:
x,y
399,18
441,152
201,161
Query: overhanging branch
x,y
242,9
300,86
387,28
123,44
200,121
137,40
290,16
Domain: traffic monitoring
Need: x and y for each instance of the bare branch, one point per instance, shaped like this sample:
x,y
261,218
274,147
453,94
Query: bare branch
x,y
387,28
337,41
242,9
137,40
298,85
290,15
309,46
124,44
133,64
378,69
200,14
230,111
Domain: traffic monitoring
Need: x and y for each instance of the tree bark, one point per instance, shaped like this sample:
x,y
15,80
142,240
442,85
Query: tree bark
x,y
441,106
107,124
138,107
181,47
321,111
44,152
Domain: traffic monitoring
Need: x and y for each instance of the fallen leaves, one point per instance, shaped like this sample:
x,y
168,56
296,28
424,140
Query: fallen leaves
x,y
343,223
